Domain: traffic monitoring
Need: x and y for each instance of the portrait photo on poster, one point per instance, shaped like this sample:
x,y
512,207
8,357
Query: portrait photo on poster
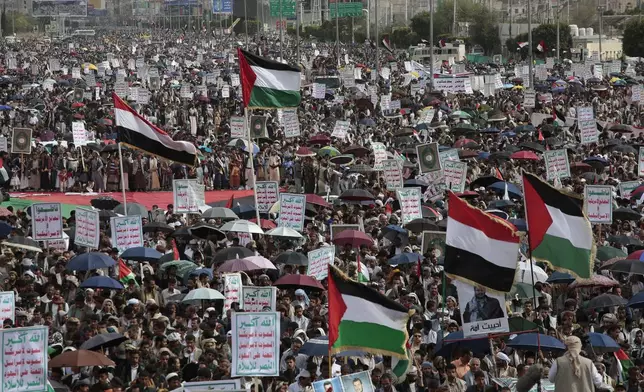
x,y
357,382
482,311
329,385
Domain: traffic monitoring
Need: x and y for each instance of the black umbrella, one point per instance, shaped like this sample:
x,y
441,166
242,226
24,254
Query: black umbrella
x,y
181,232
500,156
483,182
536,147
157,226
104,203
292,258
605,300
356,195
624,149
421,224
233,252
106,214
625,213
628,267
590,177
132,210
22,243
110,148
104,340
624,240
204,231
360,169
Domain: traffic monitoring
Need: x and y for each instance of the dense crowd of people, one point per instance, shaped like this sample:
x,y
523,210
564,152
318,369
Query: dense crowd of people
x,y
168,342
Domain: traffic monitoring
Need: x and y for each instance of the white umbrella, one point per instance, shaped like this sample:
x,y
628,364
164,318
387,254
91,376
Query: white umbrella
x,y
284,232
203,294
242,226
261,261
524,276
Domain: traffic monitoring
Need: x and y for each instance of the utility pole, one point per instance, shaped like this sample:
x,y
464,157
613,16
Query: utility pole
x,y
530,77
601,9
431,45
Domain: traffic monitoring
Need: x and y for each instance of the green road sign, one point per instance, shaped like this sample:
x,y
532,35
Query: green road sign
x,y
288,8
345,9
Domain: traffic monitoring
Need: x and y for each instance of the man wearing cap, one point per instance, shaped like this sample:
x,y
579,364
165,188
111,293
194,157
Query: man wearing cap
x,y
173,381
300,359
81,385
302,384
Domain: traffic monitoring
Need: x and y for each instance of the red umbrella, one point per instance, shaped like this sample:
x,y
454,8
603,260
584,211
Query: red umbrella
x,y
265,223
304,152
316,200
296,281
77,105
105,121
461,142
467,194
354,238
320,139
80,358
581,166
79,116
356,150
525,155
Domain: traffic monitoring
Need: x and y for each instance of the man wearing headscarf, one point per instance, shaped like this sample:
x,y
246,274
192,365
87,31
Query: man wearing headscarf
x,y
572,372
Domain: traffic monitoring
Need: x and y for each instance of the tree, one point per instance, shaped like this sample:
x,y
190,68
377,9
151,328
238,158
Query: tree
x,y
484,31
403,37
546,33
632,43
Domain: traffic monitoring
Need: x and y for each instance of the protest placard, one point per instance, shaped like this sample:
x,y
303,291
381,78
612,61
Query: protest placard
x,y
477,321
319,260
392,171
7,306
126,232
379,154
448,155
255,344
587,125
290,122
79,134
410,204
455,175
238,128
598,200
340,129
640,162
556,164
212,386
188,196
319,90
529,99
87,228
267,194
626,187
258,299
232,289
24,359
4,146
47,221
292,209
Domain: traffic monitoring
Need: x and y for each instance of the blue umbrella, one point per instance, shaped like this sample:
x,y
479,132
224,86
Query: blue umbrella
x,y
490,130
395,228
509,134
141,253
101,282
444,148
368,122
415,183
405,258
601,160
525,128
636,301
520,224
602,343
484,155
455,340
501,203
200,271
513,190
560,277
90,261
5,229
534,341
319,347
5,107
206,149
244,211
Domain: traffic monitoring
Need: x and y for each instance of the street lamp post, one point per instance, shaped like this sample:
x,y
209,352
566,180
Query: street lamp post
x,y
368,22
601,29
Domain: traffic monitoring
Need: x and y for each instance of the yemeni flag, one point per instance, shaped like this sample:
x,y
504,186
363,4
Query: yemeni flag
x,y
480,248
522,44
268,84
126,274
358,313
139,133
560,233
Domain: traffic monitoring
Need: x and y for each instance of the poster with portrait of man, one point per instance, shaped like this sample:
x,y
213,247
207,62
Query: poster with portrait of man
x,y
483,312
329,385
357,382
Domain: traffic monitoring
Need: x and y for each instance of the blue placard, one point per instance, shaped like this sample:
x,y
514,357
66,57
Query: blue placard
x,y
222,6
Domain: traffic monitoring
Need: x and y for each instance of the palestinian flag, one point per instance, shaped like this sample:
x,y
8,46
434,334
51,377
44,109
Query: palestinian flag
x,y
139,133
363,272
481,248
624,363
126,274
400,367
268,84
361,318
560,233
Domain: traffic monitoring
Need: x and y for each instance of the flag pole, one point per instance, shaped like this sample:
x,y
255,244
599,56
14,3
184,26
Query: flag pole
x,y
122,179
529,251
252,164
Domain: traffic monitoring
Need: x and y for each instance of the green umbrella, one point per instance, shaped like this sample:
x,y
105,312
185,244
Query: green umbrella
x,y
183,266
605,253
328,151
524,291
460,114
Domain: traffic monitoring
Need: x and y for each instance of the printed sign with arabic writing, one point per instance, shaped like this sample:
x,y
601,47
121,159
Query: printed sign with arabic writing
x,y
292,211
188,196
87,228
319,260
258,299
455,175
410,203
478,320
557,165
126,232
7,306
599,203
267,195
24,359
255,344
232,289
47,223
392,171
